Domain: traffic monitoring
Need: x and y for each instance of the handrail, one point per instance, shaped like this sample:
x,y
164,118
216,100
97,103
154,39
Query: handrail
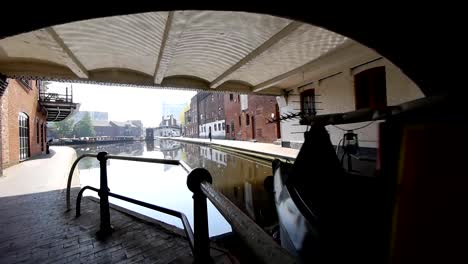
x,y
369,114
117,157
263,246
199,182
70,176
187,229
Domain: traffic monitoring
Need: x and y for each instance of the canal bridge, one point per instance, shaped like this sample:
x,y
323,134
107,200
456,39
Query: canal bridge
x,y
262,54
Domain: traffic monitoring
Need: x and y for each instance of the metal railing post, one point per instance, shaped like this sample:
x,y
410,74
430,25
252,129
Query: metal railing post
x,y
105,227
200,215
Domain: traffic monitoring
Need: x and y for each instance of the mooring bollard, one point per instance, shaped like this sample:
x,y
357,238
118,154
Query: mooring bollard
x,y
200,215
105,227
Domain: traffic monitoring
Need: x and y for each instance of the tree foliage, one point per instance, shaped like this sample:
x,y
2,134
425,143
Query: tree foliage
x,y
63,129
84,128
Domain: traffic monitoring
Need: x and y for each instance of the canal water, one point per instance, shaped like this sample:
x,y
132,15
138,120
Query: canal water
x,y
238,177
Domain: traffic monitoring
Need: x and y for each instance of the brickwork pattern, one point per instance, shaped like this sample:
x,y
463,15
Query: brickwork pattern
x,y
260,108
17,99
36,229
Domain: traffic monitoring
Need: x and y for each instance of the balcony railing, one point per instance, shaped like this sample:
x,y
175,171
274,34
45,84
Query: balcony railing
x,y
199,182
55,97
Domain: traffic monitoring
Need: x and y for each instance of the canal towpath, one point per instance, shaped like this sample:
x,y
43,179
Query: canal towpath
x,y
40,174
264,150
37,228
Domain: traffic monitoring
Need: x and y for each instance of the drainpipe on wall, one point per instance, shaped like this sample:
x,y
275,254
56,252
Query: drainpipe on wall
x,y
3,87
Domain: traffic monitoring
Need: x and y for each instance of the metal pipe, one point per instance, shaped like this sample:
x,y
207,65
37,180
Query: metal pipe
x,y
70,176
262,245
369,114
149,160
80,195
139,159
181,216
187,228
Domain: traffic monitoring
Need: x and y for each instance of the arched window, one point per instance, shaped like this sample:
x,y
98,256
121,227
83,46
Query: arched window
x,y
23,124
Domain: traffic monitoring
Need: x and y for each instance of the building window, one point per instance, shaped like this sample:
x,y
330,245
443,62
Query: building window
x,y
215,127
308,102
219,126
231,97
247,120
240,121
227,128
232,126
23,123
224,126
370,88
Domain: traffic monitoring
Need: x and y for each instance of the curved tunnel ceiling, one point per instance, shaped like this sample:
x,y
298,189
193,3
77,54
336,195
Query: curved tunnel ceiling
x,y
217,50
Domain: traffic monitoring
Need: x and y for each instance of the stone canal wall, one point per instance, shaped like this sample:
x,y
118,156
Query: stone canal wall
x,y
255,149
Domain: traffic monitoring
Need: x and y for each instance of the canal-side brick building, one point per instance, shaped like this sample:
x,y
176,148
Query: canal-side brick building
x,y
23,122
247,117
191,119
131,128
232,112
232,116
211,115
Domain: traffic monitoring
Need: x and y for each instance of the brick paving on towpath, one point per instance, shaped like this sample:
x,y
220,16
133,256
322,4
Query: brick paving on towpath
x,y
35,228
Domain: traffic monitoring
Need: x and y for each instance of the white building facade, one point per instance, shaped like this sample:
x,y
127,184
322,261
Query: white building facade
x,y
339,83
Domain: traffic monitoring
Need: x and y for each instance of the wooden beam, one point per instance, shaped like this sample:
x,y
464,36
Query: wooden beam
x,y
158,75
259,50
76,67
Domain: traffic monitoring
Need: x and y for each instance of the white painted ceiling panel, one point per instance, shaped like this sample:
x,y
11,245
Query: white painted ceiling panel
x,y
305,44
211,42
123,42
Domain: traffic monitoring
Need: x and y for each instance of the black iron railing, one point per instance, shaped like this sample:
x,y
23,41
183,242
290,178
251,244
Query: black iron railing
x,y
55,97
199,182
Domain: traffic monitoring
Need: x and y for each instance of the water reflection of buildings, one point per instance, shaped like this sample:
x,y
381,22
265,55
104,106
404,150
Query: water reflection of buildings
x,y
213,155
239,179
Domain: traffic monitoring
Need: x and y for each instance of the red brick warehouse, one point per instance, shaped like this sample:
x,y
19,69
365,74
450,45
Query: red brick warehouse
x,y
247,117
23,122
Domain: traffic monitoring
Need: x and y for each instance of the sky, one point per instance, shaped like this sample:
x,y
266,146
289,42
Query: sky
x,y
124,103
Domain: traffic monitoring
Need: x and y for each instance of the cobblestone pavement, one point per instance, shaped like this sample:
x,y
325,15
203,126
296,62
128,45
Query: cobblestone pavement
x,y
35,228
